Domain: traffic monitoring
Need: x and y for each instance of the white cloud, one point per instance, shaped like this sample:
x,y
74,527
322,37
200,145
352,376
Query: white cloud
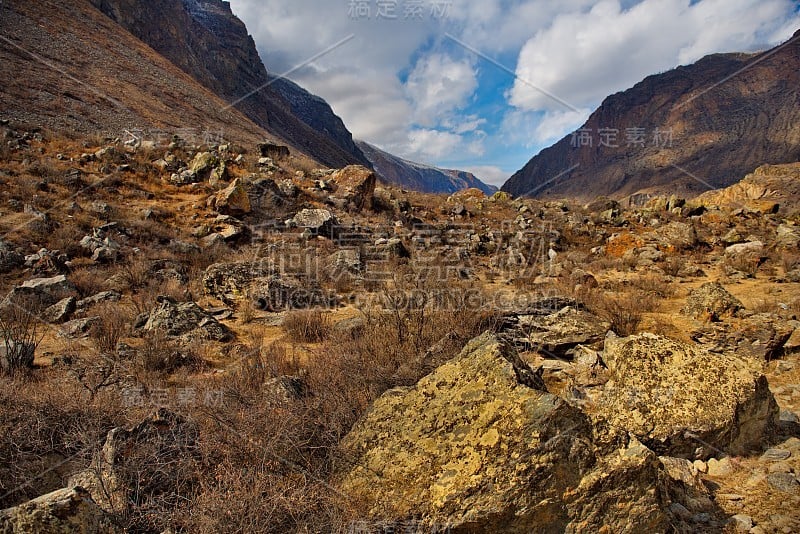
x,y
489,174
439,85
427,145
585,55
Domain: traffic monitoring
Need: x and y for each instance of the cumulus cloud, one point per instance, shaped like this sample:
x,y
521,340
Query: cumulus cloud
x,y
439,85
585,55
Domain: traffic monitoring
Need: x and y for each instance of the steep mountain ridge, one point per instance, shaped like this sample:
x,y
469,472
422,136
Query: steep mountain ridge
x,y
206,40
420,177
688,130
68,68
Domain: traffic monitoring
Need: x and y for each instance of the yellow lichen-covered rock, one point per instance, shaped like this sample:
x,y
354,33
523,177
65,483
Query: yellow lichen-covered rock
x,y
479,447
677,398
67,511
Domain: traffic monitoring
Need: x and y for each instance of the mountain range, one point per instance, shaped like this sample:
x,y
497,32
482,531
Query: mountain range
x,y
419,177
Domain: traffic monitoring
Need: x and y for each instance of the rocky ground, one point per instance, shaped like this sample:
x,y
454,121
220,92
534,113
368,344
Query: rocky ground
x,y
226,338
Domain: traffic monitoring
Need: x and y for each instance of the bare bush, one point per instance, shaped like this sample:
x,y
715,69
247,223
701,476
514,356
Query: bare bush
x,y
624,310
307,326
112,326
19,337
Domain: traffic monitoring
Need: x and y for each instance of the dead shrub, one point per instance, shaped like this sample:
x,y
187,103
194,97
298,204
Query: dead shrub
x,y
623,310
113,325
19,336
672,266
307,326
89,280
654,285
160,354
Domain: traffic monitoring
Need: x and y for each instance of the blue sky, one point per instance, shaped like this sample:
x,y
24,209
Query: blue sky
x,y
484,85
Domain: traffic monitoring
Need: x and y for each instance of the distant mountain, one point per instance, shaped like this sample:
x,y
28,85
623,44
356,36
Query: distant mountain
x,y
688,130
419,177
206,40
68,68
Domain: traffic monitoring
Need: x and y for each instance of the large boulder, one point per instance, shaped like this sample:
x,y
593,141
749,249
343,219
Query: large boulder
x,y
711,301
38,293
317,221
355,187
682,401
185,319
233,200
64,511
229,282
478,446
278,293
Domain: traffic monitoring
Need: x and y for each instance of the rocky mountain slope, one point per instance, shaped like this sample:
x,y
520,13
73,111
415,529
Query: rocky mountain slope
x,y
206,40
204,348
688,130
419,177
69,68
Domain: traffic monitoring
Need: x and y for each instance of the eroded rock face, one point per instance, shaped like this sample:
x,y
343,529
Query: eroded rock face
x,y
67,511
711,301
475,447
678,399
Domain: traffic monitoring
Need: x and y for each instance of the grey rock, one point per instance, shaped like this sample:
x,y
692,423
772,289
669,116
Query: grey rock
x,y
775,455
9,259
103,296
78,328
751,248
185,319
785,482
60,311
317,221
40,292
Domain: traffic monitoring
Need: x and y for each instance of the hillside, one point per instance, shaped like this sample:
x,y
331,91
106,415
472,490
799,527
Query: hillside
x,y
207,41
719,119
68,68
419,177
